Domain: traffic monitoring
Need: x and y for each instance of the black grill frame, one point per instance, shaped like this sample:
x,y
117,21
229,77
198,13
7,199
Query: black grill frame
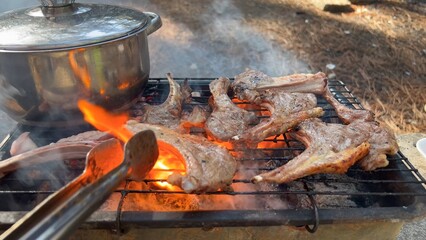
x,y
401,181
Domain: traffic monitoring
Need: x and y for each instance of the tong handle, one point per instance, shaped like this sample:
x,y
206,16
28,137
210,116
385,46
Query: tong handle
x,y
60,214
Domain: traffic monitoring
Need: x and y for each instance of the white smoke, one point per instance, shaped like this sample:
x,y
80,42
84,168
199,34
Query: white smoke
x,y
225,45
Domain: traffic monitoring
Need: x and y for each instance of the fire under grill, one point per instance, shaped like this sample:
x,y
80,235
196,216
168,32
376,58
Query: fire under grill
x,y
396,192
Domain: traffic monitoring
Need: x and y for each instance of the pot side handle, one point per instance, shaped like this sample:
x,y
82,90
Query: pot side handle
x,y
155,22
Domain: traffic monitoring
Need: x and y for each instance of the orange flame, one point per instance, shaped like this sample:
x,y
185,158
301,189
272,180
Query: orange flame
x,y
105,121
169,160
226,145
273,142
166,164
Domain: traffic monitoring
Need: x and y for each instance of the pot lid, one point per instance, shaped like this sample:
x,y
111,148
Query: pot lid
x,y
65,24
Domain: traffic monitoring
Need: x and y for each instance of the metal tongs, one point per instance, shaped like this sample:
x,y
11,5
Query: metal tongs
x,y
107,165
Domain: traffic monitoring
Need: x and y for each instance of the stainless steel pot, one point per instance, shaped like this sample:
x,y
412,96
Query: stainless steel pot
x,y
55,54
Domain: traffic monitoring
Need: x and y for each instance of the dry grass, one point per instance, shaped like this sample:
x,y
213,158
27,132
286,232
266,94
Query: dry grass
x,y
379,51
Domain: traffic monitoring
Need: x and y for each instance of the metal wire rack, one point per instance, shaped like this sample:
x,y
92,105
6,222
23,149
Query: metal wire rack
x,y
397,191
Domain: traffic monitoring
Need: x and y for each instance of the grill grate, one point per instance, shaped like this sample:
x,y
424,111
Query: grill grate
x,y
397,191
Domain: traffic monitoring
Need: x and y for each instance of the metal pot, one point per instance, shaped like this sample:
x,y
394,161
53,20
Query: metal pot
x,y
55,54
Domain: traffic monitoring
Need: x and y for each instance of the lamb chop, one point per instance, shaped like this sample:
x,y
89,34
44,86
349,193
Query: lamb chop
x,y
305,83
208,165
330,148
287,108
169,112
227,119
369,142
381,140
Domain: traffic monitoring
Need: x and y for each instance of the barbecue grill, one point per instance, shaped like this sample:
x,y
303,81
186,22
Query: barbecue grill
x,y
390,195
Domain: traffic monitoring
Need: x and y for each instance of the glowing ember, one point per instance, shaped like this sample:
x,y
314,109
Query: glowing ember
x,y
227,145
273,142
245,105
105,121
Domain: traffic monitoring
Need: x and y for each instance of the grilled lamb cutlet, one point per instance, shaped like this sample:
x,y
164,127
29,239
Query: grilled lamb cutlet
x,y
381,140
287,109
208,166
227,119
330,148
307,83
169,112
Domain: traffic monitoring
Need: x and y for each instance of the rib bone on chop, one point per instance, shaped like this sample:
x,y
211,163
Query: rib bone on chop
x,y
287,108
208,165
227,119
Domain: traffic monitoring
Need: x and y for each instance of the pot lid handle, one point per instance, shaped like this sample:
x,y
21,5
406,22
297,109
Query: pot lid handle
x,y
56,3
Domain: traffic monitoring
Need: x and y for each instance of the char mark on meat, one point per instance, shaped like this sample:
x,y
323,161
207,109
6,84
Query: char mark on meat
x,y
227,119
